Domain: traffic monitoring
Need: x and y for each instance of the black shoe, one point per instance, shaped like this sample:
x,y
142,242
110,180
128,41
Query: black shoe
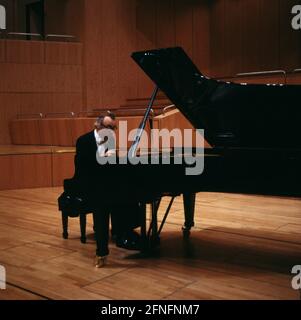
x,y
129,241
133,235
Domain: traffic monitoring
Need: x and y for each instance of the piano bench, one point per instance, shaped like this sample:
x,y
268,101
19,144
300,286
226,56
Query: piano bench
x,y
73,206
82,222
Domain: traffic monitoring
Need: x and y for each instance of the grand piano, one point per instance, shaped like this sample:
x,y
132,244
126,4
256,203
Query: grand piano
x,y
254,131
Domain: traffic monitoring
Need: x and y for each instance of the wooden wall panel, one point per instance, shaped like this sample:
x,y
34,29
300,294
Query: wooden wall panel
x,y
2,50
17,103
146,24
201,36
63,53
30,85
29,52
110,72
251,40
25,132
63,132
289,39
145,39
65,78
35,78
55,132
81,126
93,55
269,35
51,132
127,68
34,103
252,35
165,22
25,171
111,75
9,107
184,25
64,17
35,167
110,53
233,36
217,41
58,103
62,167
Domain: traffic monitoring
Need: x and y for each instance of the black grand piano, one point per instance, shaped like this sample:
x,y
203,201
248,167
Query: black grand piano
x,y
254,131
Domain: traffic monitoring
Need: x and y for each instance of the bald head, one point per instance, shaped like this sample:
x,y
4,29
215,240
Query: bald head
x,y
108,122
105,122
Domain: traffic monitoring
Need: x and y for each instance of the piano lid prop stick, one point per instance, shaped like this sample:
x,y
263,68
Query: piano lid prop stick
x,y
134,146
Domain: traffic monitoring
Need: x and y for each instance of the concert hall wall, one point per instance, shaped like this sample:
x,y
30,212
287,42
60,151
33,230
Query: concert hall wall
x,y
223,37
114,29
253,35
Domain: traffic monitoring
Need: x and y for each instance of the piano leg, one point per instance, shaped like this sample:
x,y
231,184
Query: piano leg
x,y
144,242
150,238
154,238
189,205
83,222
65,224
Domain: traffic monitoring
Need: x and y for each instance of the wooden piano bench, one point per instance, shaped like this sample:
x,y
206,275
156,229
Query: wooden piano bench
x,y
82,222
73,206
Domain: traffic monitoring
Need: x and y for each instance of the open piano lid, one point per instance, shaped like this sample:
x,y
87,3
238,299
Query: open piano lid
x,y
233,115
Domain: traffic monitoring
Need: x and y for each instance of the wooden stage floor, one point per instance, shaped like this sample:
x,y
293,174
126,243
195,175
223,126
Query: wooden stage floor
x,y
242,247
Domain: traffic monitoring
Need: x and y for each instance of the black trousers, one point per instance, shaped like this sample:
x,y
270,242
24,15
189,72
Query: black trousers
x,y
101,220
124,218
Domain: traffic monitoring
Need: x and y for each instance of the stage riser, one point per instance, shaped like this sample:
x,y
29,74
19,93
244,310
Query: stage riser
x,y
21,171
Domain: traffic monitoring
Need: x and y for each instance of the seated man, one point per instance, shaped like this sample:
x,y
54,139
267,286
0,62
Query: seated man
x,y
88,172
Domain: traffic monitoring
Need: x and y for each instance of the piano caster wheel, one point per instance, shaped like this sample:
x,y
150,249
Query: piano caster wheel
x,y
186,232
65,235
83,240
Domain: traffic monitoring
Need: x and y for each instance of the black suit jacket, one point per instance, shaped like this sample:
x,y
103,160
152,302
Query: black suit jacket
x,y
87,170
85,158
91,179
